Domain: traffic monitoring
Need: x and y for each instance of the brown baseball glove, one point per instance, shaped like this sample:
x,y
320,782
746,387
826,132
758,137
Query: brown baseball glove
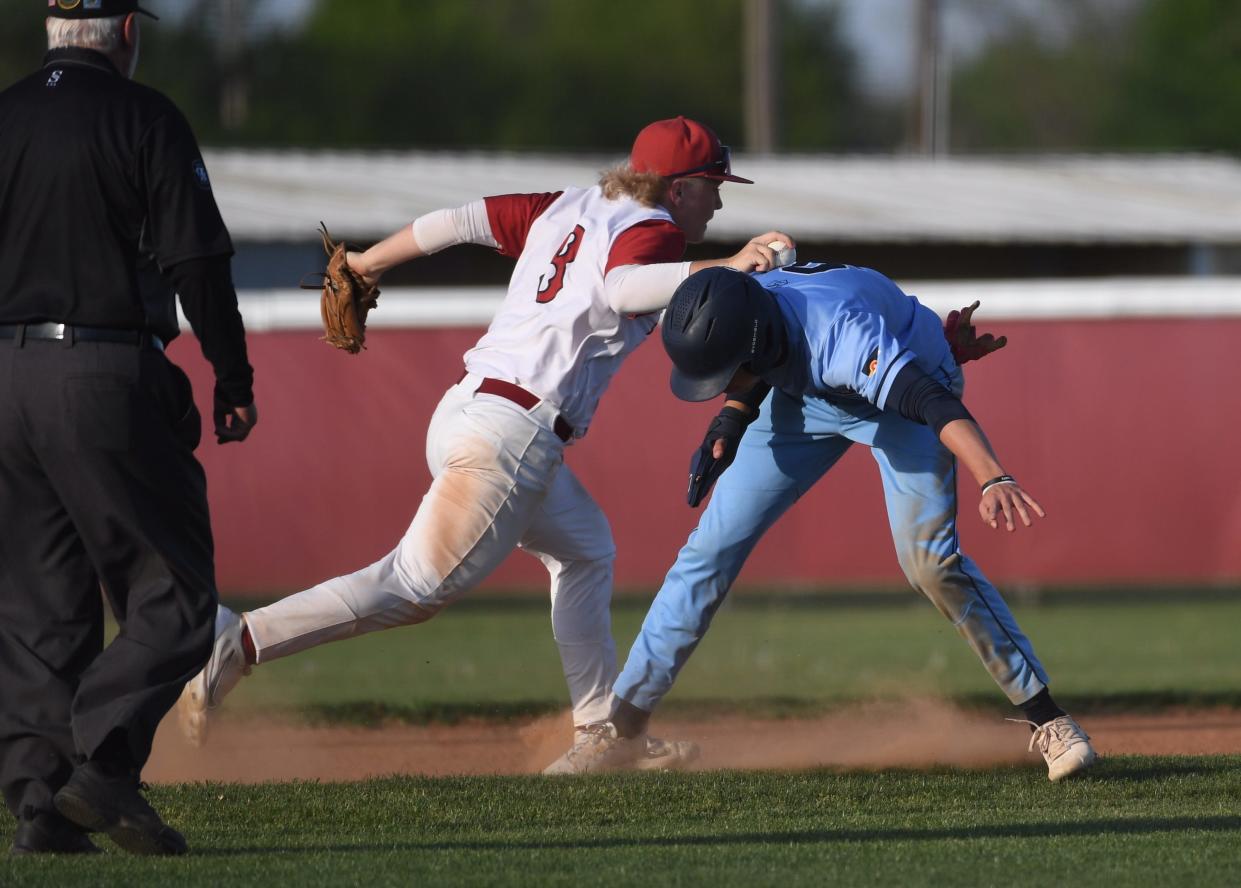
x,y
346,298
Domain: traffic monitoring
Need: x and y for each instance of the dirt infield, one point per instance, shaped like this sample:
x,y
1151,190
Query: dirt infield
x,y
912,734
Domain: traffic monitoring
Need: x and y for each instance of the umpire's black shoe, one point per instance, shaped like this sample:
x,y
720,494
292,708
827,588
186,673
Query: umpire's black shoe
x,y
46,832
104,800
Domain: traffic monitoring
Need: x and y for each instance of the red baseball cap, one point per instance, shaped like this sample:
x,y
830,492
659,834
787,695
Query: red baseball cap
x,y
681,148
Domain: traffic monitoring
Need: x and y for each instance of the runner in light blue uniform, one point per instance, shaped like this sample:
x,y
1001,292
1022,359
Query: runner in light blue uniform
x,y
850,331
849,358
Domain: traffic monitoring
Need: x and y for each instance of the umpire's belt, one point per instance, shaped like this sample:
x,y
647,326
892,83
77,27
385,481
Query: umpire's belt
x,y
76,333
519,396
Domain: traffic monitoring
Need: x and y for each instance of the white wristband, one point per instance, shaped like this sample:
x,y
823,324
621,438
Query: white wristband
x,y
997,480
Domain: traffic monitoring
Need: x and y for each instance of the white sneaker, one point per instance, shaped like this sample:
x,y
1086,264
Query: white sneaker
x,y
1064,745
224,669
598,747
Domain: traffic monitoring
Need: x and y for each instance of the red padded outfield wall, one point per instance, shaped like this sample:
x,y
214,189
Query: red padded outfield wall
x,y
1129,432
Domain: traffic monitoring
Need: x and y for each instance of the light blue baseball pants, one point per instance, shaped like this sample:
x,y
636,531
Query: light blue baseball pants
x,y
787,449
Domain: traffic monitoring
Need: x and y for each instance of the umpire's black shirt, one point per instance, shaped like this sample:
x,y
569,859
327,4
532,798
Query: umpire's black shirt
x,y
102,186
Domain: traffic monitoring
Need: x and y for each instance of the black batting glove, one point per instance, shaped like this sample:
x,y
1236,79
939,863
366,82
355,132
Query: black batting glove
x,y
728,426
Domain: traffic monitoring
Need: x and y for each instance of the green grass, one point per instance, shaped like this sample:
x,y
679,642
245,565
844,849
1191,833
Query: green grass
x,y
497,660
1132,821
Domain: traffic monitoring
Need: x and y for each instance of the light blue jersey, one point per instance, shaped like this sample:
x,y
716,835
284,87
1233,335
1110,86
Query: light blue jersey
x,y
850,332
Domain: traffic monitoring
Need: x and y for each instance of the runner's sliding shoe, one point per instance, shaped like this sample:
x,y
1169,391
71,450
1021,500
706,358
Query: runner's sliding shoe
x,y
1065,747
226,666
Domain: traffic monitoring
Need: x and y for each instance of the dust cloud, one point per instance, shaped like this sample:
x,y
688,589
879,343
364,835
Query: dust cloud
x,y
912,733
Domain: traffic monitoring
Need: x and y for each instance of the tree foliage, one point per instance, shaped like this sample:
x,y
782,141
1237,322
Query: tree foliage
x,y
1142,75
1163,76
496,74
1181,88
1032,90
562,74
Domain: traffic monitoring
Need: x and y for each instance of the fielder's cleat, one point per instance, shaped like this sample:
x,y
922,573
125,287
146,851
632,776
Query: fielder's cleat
x,y
101,799
226,666
1064,745
599,747
47,832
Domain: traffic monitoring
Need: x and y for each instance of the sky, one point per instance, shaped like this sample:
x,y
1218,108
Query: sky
x,y
268,13
882,32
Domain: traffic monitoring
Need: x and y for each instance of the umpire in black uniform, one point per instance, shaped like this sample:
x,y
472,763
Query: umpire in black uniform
x,y
105,210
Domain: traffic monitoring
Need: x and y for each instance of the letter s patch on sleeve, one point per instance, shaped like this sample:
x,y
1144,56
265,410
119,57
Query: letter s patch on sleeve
x,y
200,175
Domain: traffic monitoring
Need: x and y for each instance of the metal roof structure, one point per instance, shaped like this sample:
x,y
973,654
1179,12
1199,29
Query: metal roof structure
x,y
1107,200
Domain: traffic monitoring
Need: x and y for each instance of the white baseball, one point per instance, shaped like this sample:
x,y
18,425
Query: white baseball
x,y
785,255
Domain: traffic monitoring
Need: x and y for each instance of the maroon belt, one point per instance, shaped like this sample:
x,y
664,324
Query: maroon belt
x,y
522,398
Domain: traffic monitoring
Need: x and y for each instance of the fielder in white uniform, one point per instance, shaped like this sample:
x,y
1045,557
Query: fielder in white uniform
x,y
594,268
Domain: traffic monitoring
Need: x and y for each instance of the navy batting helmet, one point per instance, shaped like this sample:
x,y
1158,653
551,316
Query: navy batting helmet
x,y
718,320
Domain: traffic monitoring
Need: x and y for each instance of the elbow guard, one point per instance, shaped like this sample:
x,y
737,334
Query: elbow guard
x,y
917,397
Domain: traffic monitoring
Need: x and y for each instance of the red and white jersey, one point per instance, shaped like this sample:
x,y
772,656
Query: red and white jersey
x,y
555,334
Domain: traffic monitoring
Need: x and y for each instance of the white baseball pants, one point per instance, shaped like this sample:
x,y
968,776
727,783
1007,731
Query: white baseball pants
x,y
499,482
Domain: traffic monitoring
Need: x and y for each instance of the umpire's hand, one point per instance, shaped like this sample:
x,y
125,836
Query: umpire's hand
x,y
234,423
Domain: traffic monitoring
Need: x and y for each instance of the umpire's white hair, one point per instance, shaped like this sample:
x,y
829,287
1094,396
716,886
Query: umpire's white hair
x,y
105,35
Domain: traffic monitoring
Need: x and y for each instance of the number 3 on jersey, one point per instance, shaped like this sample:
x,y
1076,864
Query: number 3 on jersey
x,y
550,284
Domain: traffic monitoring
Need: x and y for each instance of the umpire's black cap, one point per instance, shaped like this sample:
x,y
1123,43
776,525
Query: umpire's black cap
x,y
89,9
718,320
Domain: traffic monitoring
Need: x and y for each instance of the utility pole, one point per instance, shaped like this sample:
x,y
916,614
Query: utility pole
x,y
234,91
929,106
762,88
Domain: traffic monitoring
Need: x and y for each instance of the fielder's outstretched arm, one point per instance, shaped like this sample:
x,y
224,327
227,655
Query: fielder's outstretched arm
x,y
425,235
755,256
638,289
634,289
